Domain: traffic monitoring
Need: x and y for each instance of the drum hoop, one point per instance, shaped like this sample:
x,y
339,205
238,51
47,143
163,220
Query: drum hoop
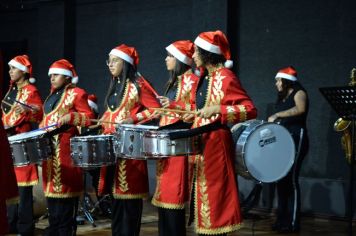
x,y
24,140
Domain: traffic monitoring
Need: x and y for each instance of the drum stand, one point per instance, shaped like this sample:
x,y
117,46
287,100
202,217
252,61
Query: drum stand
x,y
342,100
85,204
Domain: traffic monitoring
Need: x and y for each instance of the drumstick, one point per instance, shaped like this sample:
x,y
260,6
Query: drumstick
x,y
93,126
147,119
170,115
173,110
50,126
6,103
103,121
25,105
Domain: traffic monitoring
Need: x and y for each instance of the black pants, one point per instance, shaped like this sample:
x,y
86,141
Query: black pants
x,y
126,217
171,222
20,216
62,213
288,211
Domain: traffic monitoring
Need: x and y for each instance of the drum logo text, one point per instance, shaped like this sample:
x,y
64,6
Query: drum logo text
x,y
264,142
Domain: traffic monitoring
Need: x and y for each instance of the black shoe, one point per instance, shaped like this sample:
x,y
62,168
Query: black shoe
x,y
276,226
288,229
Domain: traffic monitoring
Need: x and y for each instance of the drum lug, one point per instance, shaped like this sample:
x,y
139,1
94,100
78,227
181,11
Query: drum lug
x,y
24,148
93,146
131,148
132,137
172,143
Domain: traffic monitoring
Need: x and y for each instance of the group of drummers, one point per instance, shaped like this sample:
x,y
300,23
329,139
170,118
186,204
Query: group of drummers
x,y
207,95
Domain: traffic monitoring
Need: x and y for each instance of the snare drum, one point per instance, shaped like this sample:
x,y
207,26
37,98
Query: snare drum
x,y
93,151
264,151
30,148
147,142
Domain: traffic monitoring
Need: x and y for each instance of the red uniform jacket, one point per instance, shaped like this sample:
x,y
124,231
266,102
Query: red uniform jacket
x,y
28,94
131,177
216,202
9,193
172,173
60,178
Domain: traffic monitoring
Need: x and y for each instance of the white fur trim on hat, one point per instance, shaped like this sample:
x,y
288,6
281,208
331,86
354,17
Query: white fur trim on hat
x,y
286,76
122,55
60,71
207,46
32,80
93,105
229,64
18,65
179,55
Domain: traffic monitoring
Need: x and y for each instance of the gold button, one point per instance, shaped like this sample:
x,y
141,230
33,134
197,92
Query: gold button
x,y
112,106
115,94
8,98
201,94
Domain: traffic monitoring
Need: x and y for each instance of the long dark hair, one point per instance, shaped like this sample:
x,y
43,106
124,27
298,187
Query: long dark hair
x,y
210,58
178,70
286,85
128,72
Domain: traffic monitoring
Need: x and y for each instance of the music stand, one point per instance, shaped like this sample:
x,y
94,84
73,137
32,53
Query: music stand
x,y
343,101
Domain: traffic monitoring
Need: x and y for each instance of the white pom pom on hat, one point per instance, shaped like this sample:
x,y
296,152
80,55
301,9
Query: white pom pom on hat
x,y
32,80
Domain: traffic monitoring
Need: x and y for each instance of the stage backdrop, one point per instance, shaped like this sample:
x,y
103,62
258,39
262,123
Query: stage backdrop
x,y
316,37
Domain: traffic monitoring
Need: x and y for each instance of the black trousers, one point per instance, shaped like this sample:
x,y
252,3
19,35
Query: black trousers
x,y
20,216
126,217
171,222
62,213
288,190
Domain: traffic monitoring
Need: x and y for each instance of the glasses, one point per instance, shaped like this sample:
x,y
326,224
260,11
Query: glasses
x,y
113,61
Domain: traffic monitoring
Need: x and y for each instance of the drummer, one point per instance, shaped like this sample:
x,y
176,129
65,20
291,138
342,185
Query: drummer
x,y
220,99
128,97
21,107
172,174
66,106
7,180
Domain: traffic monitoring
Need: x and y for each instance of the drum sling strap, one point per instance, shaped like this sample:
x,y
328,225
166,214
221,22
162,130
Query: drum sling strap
x,y
196,131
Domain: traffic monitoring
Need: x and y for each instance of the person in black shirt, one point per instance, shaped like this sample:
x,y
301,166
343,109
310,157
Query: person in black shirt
x,y
291,110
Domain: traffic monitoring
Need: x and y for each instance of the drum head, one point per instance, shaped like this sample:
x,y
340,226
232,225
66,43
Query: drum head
x,y
269,152
26,135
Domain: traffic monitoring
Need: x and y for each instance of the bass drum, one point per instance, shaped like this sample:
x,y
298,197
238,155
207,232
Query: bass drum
x,y
264,151
39,200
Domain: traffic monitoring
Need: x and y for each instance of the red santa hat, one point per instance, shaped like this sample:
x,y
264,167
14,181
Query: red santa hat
x,y
215,42
288,73
126,53
182,50
64,67
23,63
92,101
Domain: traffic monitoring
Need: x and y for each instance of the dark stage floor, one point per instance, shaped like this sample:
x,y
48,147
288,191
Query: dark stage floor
x,y
254,224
